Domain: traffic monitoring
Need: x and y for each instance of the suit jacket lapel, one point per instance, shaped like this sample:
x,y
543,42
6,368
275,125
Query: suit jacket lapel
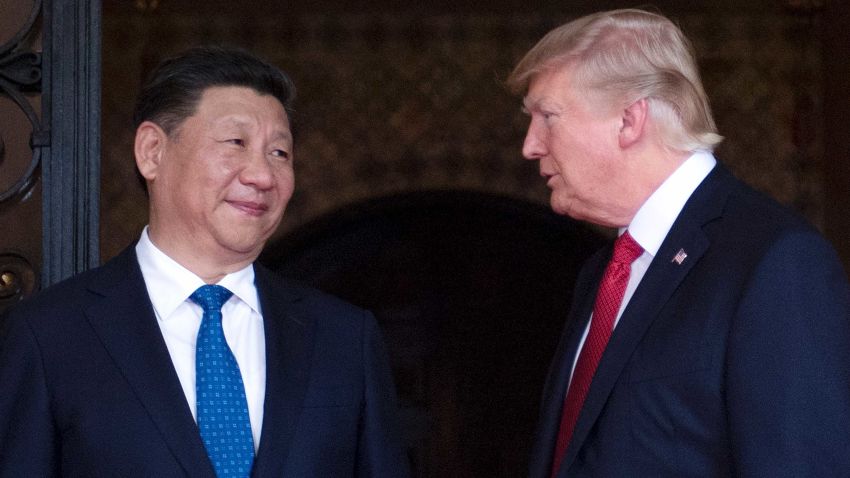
x,y
289,334
657,286
555,389
124,320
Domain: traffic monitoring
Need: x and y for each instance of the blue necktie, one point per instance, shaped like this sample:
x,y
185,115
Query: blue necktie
x,y
222,406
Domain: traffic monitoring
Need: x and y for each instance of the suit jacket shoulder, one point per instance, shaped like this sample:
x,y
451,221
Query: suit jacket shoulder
x,y
93,379
731,361
330,400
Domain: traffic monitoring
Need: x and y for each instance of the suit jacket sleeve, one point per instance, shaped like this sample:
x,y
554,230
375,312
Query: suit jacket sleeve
x,y
27,432
379,454
788,364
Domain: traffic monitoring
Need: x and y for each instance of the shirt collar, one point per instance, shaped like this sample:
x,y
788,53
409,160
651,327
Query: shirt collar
x,y
656,216
169,284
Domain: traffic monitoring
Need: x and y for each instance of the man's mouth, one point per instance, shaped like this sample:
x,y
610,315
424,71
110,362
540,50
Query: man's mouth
x,y
250,207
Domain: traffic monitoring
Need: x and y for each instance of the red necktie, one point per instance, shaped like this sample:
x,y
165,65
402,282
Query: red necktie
x,y
608,300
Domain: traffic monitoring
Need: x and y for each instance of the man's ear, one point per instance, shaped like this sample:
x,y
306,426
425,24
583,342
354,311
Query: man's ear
x,y
149,149
634,123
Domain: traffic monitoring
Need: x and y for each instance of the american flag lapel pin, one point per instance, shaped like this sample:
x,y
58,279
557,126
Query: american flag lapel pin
x,y
680,257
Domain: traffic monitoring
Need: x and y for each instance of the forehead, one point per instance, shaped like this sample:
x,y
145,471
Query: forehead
x,y
240,104
558,89
550,83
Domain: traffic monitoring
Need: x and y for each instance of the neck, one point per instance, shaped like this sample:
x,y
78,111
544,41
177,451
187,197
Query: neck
x,y
210,268
653,167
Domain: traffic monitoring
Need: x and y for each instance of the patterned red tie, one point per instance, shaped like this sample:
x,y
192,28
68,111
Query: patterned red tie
x,y
608,300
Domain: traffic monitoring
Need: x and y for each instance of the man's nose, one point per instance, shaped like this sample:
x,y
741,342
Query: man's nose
x,y
257,171
533,147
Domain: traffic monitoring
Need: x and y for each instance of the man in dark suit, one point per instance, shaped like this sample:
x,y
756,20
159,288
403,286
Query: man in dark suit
x,y
181,356
713,338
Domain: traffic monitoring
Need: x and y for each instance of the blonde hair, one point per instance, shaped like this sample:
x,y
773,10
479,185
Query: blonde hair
x,y
624,56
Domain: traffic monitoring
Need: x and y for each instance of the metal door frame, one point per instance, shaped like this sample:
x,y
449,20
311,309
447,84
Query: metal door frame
x,y
66,138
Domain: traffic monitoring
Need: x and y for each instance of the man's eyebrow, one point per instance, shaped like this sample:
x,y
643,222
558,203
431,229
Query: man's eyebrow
x,y
530,104
284,135
239,122
232,121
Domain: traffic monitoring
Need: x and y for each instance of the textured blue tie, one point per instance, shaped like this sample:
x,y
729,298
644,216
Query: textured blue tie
x,y
222,406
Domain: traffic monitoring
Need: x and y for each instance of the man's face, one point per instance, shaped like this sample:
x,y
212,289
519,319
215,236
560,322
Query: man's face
x,y
577,145
224,178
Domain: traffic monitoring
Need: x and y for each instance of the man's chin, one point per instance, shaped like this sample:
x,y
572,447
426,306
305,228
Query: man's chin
x,y
572,212
558,207
245,244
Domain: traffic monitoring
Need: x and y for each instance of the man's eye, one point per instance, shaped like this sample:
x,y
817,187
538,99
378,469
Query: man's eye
x,y
280,153
236,141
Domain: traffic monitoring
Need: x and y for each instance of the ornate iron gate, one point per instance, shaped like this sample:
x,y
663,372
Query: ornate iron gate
x,y
49,142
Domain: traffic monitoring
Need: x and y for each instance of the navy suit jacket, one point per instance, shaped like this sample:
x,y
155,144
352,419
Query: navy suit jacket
x,y
735,362
87,387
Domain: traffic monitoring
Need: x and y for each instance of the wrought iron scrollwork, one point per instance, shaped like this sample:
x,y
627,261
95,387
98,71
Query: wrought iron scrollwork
x,y
20,72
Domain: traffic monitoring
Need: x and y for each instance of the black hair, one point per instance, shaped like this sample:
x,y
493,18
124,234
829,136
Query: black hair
x,y
175,86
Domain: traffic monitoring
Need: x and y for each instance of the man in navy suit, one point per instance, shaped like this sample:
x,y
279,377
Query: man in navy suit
x,y
727,351
98,374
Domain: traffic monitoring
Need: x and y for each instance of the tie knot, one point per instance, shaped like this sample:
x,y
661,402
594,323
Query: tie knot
x,y
626,249
211,297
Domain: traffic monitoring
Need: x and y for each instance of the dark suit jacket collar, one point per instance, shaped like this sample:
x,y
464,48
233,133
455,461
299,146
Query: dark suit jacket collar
x,y
123,318
289,331
658,284
558,377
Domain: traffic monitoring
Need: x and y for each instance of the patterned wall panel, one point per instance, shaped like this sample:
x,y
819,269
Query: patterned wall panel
x,y
395,103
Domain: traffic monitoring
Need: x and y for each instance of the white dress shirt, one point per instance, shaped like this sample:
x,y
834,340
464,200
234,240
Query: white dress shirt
x,y
654,219
169,286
